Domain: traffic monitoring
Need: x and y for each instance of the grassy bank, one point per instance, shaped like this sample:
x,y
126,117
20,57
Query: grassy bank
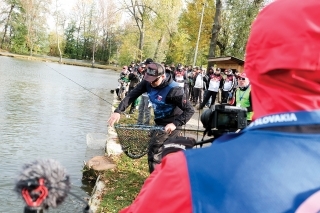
x,y
124,182
73,62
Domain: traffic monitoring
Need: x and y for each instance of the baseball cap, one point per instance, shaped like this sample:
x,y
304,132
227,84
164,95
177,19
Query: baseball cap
x,y
243,75
147,61
154,70
142,65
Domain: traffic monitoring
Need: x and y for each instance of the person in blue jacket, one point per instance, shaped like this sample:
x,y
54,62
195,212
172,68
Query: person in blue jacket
x,y
170,104
271,166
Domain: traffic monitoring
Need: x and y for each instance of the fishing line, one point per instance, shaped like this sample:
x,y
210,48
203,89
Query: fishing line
x,y
81,86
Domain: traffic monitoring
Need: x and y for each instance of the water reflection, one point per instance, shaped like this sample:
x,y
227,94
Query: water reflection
x,y
45,115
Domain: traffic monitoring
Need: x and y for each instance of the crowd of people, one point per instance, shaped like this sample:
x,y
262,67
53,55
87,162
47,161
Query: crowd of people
x,y
202,87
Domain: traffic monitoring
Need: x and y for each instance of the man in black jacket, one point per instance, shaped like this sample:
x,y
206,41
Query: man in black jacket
x,y
170,105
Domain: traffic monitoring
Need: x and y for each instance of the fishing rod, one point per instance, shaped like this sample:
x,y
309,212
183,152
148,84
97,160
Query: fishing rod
x,y
81,86
126,114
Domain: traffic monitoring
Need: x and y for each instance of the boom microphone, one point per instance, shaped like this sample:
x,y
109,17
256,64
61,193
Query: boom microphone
x,y
42,184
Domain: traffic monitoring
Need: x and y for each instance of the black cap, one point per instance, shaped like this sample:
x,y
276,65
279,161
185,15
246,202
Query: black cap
x,y
148,61
154,70
179,67
142,65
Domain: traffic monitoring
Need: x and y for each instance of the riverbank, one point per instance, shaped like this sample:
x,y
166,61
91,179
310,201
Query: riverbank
x,y
66,61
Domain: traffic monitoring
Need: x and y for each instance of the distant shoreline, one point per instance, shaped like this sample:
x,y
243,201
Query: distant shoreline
x,y
72,62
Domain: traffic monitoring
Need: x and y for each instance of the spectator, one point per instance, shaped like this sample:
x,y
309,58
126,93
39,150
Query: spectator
x,y
198,86
237,75
191,85
123,83
229,84
131,66
170,105
173,68
180,76
214,83
243,96
168,70
207,81
273,165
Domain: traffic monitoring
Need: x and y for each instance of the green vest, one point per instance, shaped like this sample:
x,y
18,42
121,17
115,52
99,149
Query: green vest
x,y
242,99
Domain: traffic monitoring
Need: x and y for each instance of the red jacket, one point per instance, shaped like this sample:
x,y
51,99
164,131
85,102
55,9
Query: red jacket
x,y
166,190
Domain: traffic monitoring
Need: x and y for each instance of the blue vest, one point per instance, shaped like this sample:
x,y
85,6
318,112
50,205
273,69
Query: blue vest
x,y
257,170
158,97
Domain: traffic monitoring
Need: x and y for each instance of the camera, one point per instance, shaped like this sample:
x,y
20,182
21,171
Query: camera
x,y
224,119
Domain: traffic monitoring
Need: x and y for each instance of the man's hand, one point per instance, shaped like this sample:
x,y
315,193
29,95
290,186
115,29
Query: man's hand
x,y
169,128
114,118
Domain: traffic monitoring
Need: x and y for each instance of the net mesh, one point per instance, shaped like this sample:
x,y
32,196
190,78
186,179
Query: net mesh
x,y
134,139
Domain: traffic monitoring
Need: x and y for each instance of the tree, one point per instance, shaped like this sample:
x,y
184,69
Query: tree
x,y
140,11
164,25
35,21
8,19
108,19
189,24
159,29
70,49
215,29
240,27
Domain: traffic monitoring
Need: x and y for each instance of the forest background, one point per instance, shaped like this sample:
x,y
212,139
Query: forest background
x,y
121,31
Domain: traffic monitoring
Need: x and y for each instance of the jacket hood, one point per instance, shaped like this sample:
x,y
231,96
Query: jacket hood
x,y
283,57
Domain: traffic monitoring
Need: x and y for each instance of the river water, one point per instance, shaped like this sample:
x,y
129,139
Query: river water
x,y
46,111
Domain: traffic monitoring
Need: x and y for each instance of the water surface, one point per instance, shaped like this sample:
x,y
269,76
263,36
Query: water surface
x,y
46,111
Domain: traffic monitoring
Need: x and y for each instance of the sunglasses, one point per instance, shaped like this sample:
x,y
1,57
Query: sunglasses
x,y
155,80
123,68
243,79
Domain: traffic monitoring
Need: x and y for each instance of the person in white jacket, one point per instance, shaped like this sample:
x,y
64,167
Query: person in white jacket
x,y
214,83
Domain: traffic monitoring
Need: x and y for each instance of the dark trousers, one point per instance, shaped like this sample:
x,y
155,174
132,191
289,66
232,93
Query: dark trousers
x,y
186,90
197,95
191,94
224,97
158,137
133,106
206,98
117,91
144,111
